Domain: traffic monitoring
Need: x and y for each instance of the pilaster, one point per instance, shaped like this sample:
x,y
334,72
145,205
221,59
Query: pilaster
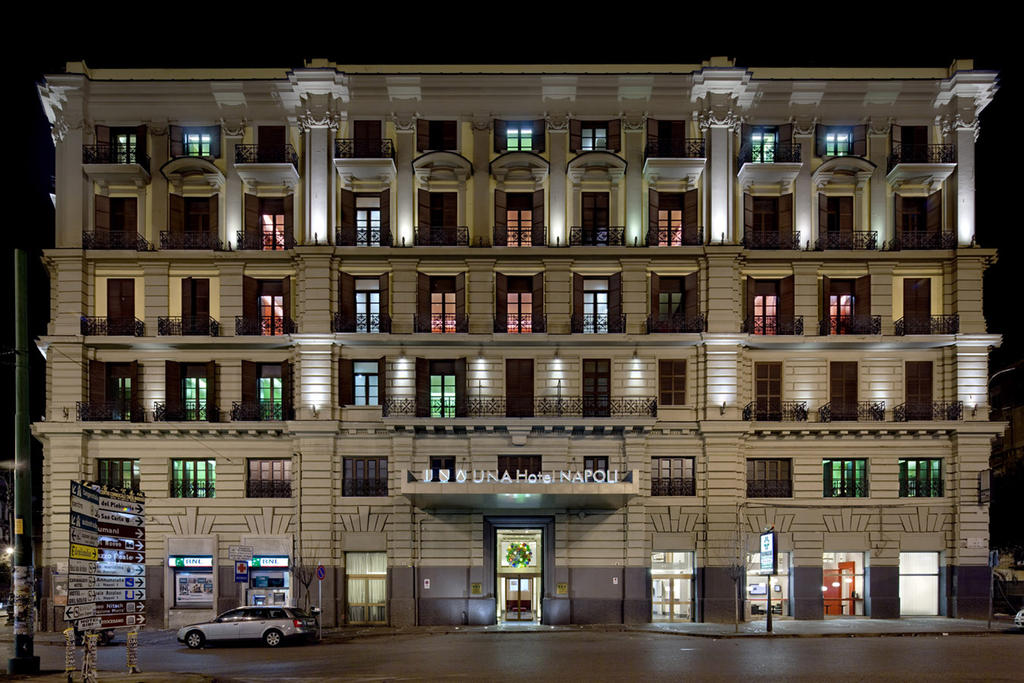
x,y
967,292
314,278
878,152
805,292
155,276
558,295
881,292
233,222
403,295
480,295
802,186
723,290
634,295
159,153
633,149
480,227
405,148
558,150
230,296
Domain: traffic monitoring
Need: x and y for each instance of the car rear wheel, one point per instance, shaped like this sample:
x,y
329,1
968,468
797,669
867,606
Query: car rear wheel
x,y
195,639
272,638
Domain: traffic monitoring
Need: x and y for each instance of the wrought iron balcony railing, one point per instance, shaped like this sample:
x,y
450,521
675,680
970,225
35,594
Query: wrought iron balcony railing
x,y
113,239
922,239
774,153
856,239
261,411
520,323
355,148
673,148
370,323
193,489
266,154
771,240
257,241
935,410
774,324
190,240
850,324
676,323
110,327
776,411
107,153
108,411
364,487
442,236
264,327
576,406
363,237
769,488
260,488
673,486
441,324
523,236
187,326
912,488
598,324
684,236
858,488
859,411
921,154
609,236
190,411
934,324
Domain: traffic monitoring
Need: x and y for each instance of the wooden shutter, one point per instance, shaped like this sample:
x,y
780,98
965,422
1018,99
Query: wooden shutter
x,y
897,202
450,136
382,287
422,387
423,300
519,387
451,208
136,383
538,303
382,379
655,294
271,136
286,298
614,135
652,137
214,215
500,136
690,298
933,207
140,147
287,400
131,215
172,388
826,295
289,219
652,217
860,141
786,134
862,295
422,135
177,140
500,218
577,294
786,220
101,212
575,135
97,383
822,213
201,299
615,303
820,132
460,299
748,213
917,297
215,133
919,383
537,237
690,199
539,136
346,382
385,215
348,211
102,135
176,214
121,298
252,217
460,387
787,302
423,216
751,286
843,383
187,297
845,214
500,302
250,382
212,409
250,298
347,299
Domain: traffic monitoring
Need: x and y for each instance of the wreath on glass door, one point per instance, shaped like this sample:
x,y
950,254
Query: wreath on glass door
x,y
519,555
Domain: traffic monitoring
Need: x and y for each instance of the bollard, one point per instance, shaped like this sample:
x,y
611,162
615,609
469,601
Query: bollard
x,y
69,653
132,647
89,661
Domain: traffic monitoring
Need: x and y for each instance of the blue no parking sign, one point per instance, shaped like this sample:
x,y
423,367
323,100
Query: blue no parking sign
x,y
321,573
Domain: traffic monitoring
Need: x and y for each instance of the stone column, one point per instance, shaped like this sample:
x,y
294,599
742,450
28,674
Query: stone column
x,y
314,278
405,188
558,148
720,178
802,191
159,153
723,477
633,149
881,292
480,227
878,154
232,200
805,294
64,107
316,181
966,134
723,289
480,295
156,294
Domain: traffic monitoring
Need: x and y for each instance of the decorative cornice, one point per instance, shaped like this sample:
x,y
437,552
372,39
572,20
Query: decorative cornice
x,y
803,127
709,118
404,123
481,124
557,123
635,123
876,127
956,122
233,129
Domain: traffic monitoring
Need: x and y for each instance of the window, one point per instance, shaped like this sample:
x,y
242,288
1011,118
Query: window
x,y
367,392
594,136
119,390
846,478
595,306
271,390
843,390
193,478
766,318
436,135
365,477
271,307
519,299
838,141
595,463
919,584
768,391
442,395
842,584
839,214
841,305
672,477
766,215
366,576
913,214
197,214
519,136
125,146
672,382
512,464
769,478
367,305
670,297
269,478
670,219
197,144
442,464
921,478
368,232
272,224
596,388
762,144
124,215
442,305
119,473
595,229
672,586
193,386
519,219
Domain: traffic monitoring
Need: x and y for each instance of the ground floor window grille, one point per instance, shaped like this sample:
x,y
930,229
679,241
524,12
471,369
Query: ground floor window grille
x,y
367,575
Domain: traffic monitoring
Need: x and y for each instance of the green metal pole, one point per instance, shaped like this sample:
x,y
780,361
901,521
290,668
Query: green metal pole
x,y
24,660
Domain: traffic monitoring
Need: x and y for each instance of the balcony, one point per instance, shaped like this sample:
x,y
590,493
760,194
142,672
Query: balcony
x,y
193,489
921,154
935,324
857,488
274,165
258,488
935,410
190,240
771,240
368,161
776,411
369,323
174,326
675,160
114,164
854,411
921,239
521,323
770,325
772,165
920,166
261,411
597,324
769,488
354,148
441,324
109,411
673,148
111,239
577,406
676,324
264,327
364,487
686,236
112,327
857,239
363,237
777,153
612,236
525,236
442,236
850,324
256,241
190,411
673,486
911,488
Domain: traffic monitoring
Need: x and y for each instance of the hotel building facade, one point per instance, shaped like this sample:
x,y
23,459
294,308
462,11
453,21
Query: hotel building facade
x,y
524,343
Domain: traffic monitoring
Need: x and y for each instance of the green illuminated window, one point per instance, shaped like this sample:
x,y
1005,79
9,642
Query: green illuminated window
x,y
195,398
193,478
838,142
442,396
921,478
519,137
121,473
847,478
762,145
197,144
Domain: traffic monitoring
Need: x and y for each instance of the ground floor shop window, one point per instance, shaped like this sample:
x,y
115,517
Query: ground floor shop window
x,y
919,584
193,580
842,583
755,603
366,575
672,586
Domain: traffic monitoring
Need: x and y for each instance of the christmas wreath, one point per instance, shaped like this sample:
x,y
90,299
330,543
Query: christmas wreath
x,y
519,555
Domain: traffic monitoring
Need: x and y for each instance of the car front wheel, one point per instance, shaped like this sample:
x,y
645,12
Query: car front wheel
x,y
195,639
272,638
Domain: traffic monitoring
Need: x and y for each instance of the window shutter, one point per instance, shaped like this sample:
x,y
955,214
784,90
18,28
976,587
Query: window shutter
x,y
346,382
539,133
751,285
451,208
614,135
97,383
252,217
787,303
919,383
500,219
460,299
201,300
500,136
347,301
177,140
348,212
897,202
289,219
826,294
652,137
286,298
845,214
172,389
422,135
460,387
382,286
215,134
422,387
862,295
186,297
577,294
450,136
101,206
786,220
102,135
214,215
896,137
819,140
131,215
287,402
690,296
537,237
822,213
423,300
917,298
655,292
690,199
744,134
538,303
385,216
860,141
615,303
748,213
423,216
786,134
136,379
140,143
500,302
212,408
382,379
933,207
250,298
652,216
120,298
176,214
575,135
250,382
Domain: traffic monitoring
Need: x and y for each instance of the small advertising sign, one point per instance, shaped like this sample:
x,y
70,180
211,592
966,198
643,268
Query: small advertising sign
x,y
241,571
769,554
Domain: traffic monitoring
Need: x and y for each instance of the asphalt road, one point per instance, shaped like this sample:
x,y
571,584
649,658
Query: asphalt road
x,y
585,656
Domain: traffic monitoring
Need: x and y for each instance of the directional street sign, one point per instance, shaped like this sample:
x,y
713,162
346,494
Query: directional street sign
x,y
119,518
81,567
240,552
118,582
80,597
119,530
116,595
132,557
80,521
89,624
82,552
121,506
130,607
119,569
115,543
84,536
72,612
117,620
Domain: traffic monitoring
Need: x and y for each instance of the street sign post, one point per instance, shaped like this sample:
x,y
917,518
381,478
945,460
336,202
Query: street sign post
x,y
321,573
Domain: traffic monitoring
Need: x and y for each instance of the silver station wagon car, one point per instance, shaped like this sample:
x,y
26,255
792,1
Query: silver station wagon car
x,y
272,625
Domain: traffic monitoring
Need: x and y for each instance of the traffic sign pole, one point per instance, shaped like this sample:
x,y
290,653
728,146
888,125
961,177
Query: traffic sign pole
x,y
321,572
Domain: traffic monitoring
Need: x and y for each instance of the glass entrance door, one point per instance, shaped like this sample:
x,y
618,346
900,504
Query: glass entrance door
x,y
519,598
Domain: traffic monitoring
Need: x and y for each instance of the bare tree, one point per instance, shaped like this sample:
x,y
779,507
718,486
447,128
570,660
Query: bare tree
x,y
304,574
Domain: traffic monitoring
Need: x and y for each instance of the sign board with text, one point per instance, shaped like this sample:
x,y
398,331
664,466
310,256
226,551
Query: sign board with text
x,y
769,554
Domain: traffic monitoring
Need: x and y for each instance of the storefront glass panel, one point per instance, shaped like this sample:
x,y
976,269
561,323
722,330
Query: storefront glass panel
x,y
919,584
842,583
672,586
366,575
755,603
